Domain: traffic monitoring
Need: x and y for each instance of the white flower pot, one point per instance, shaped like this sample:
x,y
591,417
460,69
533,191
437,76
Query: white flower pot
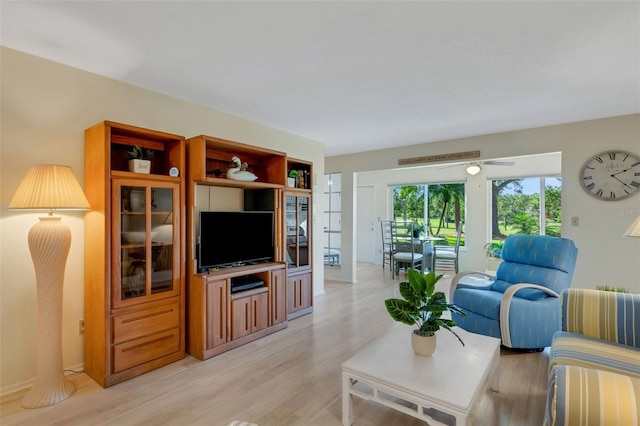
x,y
291,182
140,166
423,345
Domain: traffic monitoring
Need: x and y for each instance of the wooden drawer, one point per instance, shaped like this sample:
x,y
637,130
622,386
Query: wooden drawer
x,y
145,322
145,349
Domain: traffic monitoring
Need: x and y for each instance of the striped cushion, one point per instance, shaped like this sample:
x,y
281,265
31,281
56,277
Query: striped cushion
x,y
602,314
577,350
584,396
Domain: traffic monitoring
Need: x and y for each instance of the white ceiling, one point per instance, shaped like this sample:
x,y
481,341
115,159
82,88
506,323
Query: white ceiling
x,y
356,76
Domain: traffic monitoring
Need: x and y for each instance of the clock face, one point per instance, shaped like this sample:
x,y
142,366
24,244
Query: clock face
x,y
611,175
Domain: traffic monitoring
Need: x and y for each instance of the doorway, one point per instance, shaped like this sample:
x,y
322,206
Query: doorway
x,y
365,224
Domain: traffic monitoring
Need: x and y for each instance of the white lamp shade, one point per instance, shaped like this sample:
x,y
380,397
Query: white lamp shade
x,y
49,187
634,229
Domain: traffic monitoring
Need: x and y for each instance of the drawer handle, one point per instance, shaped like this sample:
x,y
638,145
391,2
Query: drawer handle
x,y
131,348
141,317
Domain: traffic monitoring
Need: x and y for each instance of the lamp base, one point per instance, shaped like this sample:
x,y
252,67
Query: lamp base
x,y
48,391
49,242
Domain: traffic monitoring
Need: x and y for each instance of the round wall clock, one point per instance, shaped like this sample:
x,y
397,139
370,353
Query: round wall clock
x,y
611,175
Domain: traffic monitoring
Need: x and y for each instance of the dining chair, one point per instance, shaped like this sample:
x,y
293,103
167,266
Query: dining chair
x,y
385,226
406,249
448,255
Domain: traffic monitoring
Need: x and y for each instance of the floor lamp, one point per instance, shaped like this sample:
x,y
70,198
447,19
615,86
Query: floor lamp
x,y
49,187
634,229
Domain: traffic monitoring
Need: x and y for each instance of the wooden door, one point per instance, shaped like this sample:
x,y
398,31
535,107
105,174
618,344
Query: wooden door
x,y
216,312
259,312
278,297
306,291
240,317
293,294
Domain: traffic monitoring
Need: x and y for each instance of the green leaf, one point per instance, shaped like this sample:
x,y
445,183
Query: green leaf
x,y
401,311
417,282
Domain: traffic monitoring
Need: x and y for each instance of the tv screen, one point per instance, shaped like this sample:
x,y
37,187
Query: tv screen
x,y
230,238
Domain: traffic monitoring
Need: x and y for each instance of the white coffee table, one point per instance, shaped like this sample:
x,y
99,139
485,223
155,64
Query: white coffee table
x,y
450,382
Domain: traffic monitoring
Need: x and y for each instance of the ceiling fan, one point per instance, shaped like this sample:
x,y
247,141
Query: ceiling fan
x,y
474,167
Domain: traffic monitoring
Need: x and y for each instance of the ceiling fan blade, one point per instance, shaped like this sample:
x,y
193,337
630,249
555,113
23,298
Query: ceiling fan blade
x,y
450,165
500,163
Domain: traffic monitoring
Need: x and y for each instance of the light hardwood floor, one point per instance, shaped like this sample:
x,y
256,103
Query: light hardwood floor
x,y
292,377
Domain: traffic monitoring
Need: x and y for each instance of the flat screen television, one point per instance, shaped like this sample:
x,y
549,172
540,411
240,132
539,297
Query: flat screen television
x,y
235,238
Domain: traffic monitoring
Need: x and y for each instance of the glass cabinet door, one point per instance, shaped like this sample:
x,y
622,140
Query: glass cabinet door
x,y
145,233
291,228
296,223
303,237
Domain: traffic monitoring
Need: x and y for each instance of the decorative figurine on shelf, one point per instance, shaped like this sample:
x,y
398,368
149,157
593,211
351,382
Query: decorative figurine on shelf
x,y
239,171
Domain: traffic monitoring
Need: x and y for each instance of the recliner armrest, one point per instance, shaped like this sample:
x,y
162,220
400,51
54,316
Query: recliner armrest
x,y
475,279
505,306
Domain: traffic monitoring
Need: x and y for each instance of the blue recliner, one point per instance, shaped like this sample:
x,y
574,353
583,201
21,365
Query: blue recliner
x,y
521,303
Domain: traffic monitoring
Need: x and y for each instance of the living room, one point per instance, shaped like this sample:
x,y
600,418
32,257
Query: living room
x,y
46,106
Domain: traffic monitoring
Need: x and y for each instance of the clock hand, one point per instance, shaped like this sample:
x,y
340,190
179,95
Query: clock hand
x,y
622,171
616,178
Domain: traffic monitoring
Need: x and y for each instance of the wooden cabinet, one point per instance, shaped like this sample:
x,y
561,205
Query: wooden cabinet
x,y
278,297
249,313
219,320
134,254
217,294
299,295
298,238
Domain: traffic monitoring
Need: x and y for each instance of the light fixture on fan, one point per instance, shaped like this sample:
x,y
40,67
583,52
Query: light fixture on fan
x,y
473,169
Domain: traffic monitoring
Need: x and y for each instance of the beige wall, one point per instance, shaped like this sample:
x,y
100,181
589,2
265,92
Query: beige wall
x,y
45,109
604,256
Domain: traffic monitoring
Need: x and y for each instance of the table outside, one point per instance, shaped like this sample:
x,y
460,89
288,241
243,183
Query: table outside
x,y
438,389
427,252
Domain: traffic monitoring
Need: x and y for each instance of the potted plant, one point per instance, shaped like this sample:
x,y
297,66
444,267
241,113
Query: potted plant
x,y
291,179
493,250
422,306
418,229
139,160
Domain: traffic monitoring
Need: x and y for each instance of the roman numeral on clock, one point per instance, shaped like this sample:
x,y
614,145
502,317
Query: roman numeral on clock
x,y
636,184
599,192
612,155
591,186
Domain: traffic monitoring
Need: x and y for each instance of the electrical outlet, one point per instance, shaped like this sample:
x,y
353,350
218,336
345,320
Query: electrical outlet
x,y
81,326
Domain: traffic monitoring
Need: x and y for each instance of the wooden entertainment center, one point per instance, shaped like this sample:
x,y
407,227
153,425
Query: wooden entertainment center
x,y
146,303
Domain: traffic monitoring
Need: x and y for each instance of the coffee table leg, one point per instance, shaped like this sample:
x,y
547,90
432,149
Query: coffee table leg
x,y
347,400
495,375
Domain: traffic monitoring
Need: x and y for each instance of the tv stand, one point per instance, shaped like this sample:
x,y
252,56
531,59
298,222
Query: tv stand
x,y
233,306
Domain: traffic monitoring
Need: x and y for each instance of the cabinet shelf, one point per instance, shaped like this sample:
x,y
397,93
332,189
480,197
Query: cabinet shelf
x,y
238,183
132,175
247,293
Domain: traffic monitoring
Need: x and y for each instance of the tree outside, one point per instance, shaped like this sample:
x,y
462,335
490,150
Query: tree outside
x,y
445,207
516,207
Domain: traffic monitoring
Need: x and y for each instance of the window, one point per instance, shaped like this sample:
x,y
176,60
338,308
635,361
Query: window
x,y
439,212
526,206
332,219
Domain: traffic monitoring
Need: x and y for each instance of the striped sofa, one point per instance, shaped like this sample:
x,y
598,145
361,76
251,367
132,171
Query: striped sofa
x,y
594,361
